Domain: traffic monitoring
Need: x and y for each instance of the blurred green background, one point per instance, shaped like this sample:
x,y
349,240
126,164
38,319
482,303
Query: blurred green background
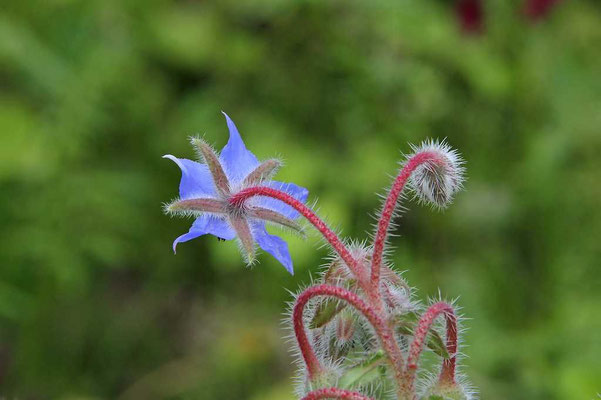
x,y
95,305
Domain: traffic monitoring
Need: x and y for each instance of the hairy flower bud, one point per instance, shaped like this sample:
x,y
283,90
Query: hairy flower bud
x,y
345,328
398,298
437,180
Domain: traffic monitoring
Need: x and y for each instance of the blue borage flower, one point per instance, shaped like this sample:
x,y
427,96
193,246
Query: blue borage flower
x,y
205,190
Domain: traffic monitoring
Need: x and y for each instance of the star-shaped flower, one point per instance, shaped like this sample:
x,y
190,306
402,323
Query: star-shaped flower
x,y
206,189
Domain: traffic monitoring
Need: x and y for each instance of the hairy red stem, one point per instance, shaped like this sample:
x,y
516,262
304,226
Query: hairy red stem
x,y
388,212
381,327
447,373
306,212
335,393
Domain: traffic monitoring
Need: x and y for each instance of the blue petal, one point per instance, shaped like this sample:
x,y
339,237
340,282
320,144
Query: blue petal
x,y
274,245
207,224
299,193
236,159
196,178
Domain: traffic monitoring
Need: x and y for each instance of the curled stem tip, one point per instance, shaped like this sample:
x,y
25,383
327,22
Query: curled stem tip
x,y
436,174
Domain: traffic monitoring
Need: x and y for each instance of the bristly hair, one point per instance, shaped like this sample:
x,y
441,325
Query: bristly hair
x,y
436,183
357,325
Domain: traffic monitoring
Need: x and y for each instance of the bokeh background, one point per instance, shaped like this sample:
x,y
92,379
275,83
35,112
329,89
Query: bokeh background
x,y
95,305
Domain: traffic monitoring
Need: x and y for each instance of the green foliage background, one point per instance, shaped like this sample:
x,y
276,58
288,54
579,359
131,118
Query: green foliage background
x,y
93,303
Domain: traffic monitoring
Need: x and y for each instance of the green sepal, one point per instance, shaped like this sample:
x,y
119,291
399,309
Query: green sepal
x,y
325,312
405,325
364,373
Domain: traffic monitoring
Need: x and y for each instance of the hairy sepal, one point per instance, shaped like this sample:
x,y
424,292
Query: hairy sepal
x,y
275,218
195,207
245,237
208,155
264,172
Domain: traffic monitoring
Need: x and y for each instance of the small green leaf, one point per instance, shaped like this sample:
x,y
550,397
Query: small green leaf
x,y
325,312
363,373
406,326
437,345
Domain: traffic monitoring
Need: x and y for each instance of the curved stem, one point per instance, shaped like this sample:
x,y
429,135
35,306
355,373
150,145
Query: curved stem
x,y
447,373
381,327
388,211
335,393
306,212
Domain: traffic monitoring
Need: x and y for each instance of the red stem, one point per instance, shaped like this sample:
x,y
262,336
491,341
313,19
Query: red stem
x,y
335,393
306,212
388,212
447,373
381,327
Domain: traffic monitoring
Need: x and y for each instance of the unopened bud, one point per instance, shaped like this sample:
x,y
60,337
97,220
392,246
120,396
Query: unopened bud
x,y
436,181
345,328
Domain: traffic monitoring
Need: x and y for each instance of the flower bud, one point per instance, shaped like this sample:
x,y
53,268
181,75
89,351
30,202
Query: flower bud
x,y
437,180
345,328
